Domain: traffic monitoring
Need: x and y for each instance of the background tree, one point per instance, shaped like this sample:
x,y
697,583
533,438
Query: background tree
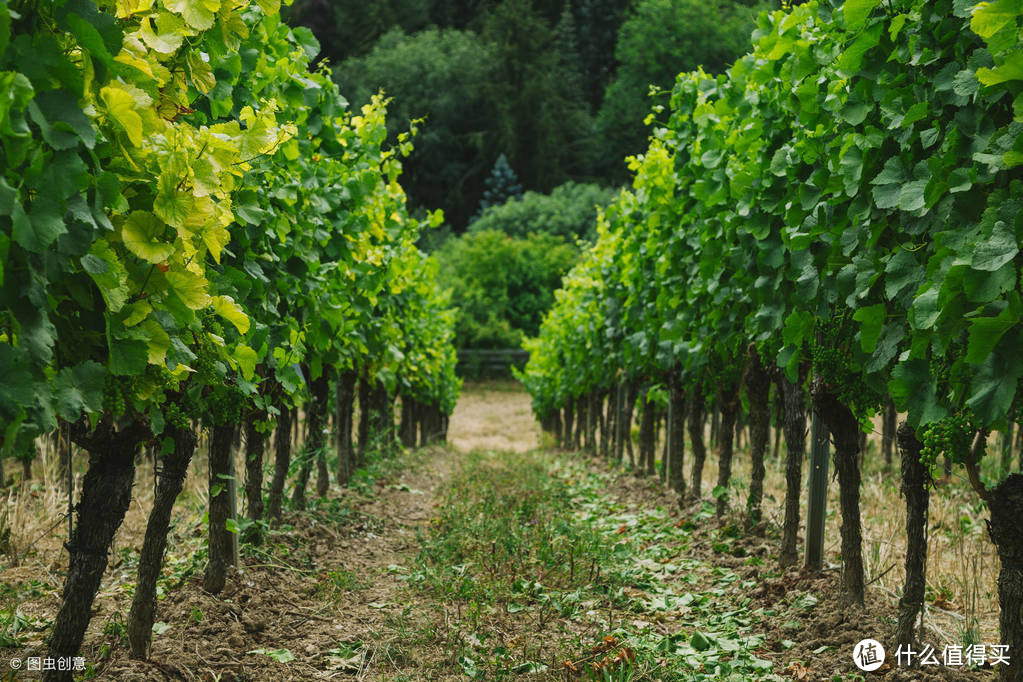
x,y
544,125
569,211
350,28
502,186
502,285
443,77
659,39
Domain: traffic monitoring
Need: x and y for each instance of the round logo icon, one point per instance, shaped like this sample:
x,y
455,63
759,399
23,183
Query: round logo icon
x,y
868,655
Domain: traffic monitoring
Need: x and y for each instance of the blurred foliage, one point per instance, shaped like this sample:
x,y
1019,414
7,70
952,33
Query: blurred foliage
x,y
502,285
570,211
560,87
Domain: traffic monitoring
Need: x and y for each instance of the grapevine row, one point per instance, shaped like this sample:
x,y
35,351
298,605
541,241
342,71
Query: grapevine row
x,y
837,215
197,231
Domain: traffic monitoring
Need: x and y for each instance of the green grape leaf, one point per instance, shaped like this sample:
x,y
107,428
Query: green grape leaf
x,y
90,38
200,72
109,273
40,227
78,389
190,288
914,390
167,37
17,386
994,383
871,321
128,357
157,342
269,7
995,250
199,14
1009,70
136,312
247,360
5,28
857,11
850,62
216,238
141,234
991,17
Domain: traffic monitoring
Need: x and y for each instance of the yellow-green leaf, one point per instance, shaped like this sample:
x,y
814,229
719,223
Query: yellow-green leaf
x,y
190,288
141,233
125,8
168,35
269,6
216,238
121,107
137,312
109,273
198,14
232,312
857,11
157,343
200,72
247,360
991,17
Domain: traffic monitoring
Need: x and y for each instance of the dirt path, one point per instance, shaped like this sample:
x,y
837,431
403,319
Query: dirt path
x,y
494,416
398,578
318,603
330,592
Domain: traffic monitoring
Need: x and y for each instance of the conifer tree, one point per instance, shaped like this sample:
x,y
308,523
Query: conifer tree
x,y
501,186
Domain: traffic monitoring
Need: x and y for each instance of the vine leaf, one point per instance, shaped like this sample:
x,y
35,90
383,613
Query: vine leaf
x,y
141,234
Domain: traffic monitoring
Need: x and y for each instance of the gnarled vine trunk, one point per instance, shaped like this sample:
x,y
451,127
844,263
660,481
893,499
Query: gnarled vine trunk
x,y
608,424
795,449
676,430
255,450
915,481
315,449
696,419
631,395
569,422
726,433
282,460
173,470
647,436
593,426
365,409
106,495
580,422
1006,531
845,433
758,389
220,540
888,432
345,414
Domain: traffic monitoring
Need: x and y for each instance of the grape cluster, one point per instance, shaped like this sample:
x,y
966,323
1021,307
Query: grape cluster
x,y
224,405
174,416
833,363
113,396
952,436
